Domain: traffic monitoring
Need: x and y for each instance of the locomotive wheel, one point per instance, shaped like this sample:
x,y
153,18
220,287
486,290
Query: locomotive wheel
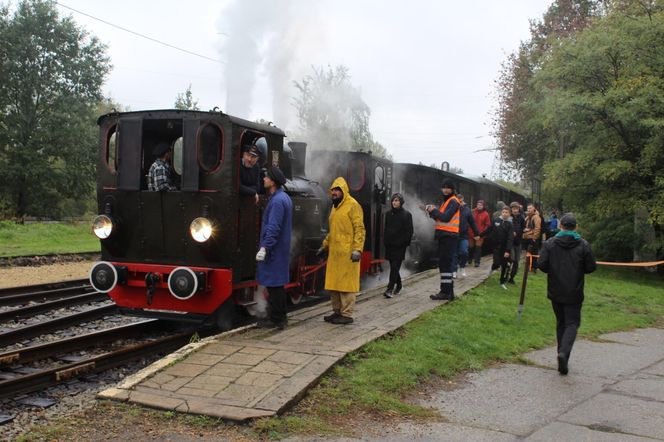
x,y
225,317
295,298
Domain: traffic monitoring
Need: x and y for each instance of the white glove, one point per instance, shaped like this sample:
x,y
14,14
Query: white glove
x,y
355,256
260,256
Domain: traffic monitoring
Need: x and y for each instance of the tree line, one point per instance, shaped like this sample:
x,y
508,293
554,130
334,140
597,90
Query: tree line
x,y
51,77
581,108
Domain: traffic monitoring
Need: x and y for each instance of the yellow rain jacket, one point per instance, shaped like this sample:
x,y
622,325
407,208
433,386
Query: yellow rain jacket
x,y
346,234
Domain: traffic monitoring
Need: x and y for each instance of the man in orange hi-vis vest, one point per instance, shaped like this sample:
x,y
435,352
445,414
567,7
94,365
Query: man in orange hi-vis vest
x,y
447,218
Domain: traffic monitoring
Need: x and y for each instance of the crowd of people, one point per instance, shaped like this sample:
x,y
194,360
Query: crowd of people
x,y
460,233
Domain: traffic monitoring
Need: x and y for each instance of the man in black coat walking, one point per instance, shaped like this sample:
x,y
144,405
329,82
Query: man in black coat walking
x,y
566,258
396,237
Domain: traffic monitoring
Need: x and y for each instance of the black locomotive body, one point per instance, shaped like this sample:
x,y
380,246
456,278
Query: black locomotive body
x,y
189,253
153,265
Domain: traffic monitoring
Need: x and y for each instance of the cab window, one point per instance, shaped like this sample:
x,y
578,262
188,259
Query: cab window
x,y
356,174
210,147
112,149
177,156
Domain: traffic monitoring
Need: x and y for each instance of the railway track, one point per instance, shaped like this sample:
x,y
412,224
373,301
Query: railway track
x,y
16,378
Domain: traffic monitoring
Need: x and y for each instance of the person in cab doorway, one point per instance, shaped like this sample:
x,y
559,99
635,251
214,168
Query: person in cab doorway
x,y
344,244
447,218
160,176
502,238
566,258
482,221
532,232
396,237
519,223
467,228
250,172
272,269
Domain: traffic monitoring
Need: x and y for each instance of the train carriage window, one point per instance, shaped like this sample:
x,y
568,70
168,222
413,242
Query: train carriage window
x,y
209,147
112,149
356,174
177,156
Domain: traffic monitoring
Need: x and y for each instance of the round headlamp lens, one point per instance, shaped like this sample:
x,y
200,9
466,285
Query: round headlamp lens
x,y
201,229
102,226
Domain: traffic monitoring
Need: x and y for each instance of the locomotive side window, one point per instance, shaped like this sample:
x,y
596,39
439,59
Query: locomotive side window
x,y
112,149
177,156
379,184
209,147
356,174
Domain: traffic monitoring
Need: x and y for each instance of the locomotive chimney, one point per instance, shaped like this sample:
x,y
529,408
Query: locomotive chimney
x,y
299,157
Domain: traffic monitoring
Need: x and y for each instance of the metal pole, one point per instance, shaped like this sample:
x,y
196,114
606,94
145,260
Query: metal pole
x,y
524,281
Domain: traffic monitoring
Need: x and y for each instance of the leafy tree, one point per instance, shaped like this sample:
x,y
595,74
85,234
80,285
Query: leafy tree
x,y
589,117
332,114
186,101
51,74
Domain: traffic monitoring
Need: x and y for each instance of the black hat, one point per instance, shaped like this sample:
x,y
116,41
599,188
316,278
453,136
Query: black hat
x,y
568,221
160,149
448,183
251,149
276,175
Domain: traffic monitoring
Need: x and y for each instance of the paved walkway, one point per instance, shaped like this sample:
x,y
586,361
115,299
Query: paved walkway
x,y
254,373
614,393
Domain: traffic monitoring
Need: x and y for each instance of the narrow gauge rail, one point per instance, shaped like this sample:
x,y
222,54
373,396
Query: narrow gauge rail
x,y
13,336
31,310
18,295
42,379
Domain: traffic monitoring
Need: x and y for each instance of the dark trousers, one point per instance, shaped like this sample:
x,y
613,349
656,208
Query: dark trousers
x,y
395,278
516,257
277,303
499,260
447,247
568,320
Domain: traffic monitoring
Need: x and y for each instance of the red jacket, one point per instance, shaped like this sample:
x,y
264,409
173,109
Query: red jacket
x,y
482,219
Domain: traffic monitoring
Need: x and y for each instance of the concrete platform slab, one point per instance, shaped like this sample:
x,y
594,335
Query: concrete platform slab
x,y
612,361
562,431
642,385
617,413
513,398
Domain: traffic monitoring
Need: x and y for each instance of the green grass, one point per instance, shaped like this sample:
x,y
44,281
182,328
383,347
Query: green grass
x,y
40,239
470,334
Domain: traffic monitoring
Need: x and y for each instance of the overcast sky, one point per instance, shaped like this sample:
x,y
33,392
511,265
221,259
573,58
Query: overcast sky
x,y
425,68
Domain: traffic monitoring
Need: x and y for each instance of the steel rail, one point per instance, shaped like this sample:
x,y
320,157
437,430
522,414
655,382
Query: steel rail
x,y
32,310
46,290
94,339
47,378
30,331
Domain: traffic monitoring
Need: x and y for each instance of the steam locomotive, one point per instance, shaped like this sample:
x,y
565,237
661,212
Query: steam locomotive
x,y
189,254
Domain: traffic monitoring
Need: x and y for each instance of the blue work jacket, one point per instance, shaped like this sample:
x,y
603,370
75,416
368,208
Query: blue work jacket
x,y
276,238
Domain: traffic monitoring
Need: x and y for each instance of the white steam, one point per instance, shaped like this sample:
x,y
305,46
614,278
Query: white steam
x,y
272,41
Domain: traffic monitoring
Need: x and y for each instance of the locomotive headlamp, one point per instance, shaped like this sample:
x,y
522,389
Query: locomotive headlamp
x,y
102,226
200,229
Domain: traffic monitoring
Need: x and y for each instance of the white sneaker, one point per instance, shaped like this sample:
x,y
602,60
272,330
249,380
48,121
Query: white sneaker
x,y
454,275
463,272
503,286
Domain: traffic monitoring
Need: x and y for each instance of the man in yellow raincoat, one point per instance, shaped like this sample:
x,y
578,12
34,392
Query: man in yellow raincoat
x,y
344,242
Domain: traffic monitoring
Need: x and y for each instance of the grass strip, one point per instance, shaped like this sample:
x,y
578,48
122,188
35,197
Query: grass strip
x,y
46,239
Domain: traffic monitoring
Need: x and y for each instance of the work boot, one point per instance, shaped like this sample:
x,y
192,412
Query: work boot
x,y
266,323
562,364
397,290
442,297
342,320
330,318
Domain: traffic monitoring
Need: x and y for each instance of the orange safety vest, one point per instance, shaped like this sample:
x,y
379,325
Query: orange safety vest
x,y
453,224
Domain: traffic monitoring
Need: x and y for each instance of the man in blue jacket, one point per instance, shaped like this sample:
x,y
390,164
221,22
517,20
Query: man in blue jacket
x,y
272,270
566,258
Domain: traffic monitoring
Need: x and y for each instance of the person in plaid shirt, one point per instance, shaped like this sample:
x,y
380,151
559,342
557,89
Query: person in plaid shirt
x,y
160,176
